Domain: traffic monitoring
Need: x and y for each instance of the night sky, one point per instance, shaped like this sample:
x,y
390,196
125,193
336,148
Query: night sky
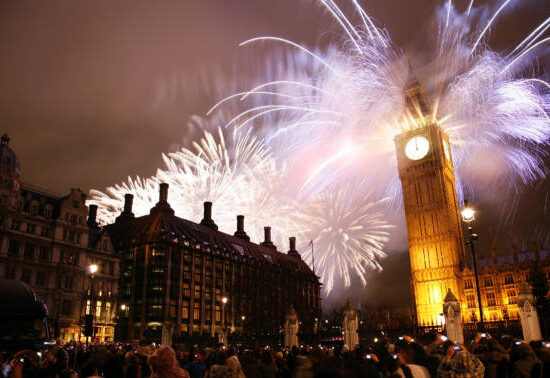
x,y
80,80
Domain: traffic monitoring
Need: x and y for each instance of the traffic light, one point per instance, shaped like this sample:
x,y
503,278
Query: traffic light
x,y
89,325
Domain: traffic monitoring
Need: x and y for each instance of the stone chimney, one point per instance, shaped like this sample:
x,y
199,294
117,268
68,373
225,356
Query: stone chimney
x,y
163,192
92,214
127,212
292,247
207,220
267,239
162,205
240,233
128,203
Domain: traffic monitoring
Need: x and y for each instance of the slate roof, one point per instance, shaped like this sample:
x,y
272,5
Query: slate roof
x,y
31,193
165,226
523,257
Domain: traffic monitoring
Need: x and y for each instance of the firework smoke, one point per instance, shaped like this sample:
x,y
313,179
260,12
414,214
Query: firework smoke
x,y
310,150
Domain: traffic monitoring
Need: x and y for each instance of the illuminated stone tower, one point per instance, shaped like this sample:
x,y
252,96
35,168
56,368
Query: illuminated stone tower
x,y
433,219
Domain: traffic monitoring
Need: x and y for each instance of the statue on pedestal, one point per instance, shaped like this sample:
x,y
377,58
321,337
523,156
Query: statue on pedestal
x,y
528,314
291,327
453,321
351,324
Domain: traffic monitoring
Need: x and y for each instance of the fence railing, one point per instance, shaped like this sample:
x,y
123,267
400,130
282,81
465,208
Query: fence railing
x,y
425,334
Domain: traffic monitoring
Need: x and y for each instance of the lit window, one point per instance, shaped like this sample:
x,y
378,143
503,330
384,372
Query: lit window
x,y
512,297
471,301
468,284
98,309
196,312
488,281
491,300
186,290
185,310
88,307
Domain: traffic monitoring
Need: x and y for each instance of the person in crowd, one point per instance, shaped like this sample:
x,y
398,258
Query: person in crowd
x,y
492,354
524,362
164,364
400,357
542,350
459,363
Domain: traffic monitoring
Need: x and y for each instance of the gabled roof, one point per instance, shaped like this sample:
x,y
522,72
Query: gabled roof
x,y
164,226
31,193
450,297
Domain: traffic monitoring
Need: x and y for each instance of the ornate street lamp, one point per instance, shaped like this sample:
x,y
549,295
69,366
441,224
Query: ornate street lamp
x,y
89,326
93,269
224,302
468,215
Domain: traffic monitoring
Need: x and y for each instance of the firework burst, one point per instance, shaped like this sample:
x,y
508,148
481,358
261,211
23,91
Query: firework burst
x,y
348,230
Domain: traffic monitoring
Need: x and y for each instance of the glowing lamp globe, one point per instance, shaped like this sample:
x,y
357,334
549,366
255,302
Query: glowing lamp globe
x,y
93,268
468,214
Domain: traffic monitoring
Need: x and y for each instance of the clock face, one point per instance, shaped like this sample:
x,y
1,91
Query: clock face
x,y
446,149
417,147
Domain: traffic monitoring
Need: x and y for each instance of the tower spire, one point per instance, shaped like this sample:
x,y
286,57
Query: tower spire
x,y
494,250
416,99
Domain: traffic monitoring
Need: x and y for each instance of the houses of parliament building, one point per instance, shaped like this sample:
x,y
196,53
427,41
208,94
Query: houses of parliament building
x,y
439,259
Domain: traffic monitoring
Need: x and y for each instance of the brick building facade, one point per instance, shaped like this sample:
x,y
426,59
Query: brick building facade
x,y
176,274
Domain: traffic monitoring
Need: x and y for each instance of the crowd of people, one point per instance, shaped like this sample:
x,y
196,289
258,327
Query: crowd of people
x,y
404,357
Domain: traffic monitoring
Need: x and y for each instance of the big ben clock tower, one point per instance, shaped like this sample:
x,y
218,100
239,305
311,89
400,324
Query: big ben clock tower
x,y
434,228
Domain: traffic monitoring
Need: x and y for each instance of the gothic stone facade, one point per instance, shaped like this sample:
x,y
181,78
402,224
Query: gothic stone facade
x,y
436,243
47,242
500,278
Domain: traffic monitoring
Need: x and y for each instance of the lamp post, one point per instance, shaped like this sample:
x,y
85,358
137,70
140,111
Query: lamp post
x,y
122,326
224,302
89,328
243,318
468,215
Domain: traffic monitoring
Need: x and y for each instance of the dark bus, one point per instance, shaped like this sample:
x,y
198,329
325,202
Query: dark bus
x,y
23,317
